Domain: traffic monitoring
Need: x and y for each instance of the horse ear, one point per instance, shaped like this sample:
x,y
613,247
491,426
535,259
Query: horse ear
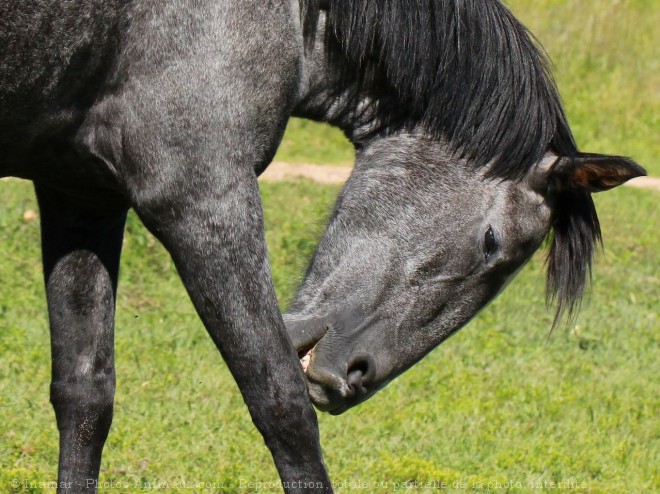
x,y
593,172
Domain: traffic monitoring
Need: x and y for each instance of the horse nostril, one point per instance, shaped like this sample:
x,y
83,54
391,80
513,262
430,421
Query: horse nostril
x,y
360,373
355,381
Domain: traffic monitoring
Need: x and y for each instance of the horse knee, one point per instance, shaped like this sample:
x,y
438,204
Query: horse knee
x,y
84,405
81,312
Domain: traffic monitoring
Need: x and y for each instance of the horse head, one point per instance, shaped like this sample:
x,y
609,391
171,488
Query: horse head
x,y
419,243
465,163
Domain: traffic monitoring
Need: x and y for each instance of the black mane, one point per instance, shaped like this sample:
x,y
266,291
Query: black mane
x,y
466,70
575,235
470,73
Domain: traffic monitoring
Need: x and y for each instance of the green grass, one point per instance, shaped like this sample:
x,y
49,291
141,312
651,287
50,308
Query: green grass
x,y
497,403
606,57
311,142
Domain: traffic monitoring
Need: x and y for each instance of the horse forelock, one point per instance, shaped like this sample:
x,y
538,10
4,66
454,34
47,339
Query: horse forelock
x,y
466,70
575,234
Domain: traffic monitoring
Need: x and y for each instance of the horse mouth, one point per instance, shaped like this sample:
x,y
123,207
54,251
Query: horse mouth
x,y
305,335
305,356
329,390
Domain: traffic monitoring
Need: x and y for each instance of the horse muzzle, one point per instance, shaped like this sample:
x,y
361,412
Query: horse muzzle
x,y
335,392
338,377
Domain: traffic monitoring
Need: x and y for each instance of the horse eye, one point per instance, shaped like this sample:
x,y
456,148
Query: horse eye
x,y
490,244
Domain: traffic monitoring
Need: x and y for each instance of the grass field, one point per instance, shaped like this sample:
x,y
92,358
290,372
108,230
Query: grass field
x,y
497,403
606,55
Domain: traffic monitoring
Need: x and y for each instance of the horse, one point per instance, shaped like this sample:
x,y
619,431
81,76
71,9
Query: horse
x,y
464,163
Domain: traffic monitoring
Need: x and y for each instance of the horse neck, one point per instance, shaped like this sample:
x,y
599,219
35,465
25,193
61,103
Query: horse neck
x,y
330,92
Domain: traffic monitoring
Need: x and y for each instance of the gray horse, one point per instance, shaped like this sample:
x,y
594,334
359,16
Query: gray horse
x,y
465,162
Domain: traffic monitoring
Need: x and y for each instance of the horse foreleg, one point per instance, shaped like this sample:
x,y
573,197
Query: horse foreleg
x,y
214,231
81,258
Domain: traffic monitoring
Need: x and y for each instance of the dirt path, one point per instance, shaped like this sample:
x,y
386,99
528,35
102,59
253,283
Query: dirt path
x,y
323,174
652,183
335,175
329,174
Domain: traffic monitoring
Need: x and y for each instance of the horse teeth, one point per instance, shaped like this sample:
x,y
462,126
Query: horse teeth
x,y
305,362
